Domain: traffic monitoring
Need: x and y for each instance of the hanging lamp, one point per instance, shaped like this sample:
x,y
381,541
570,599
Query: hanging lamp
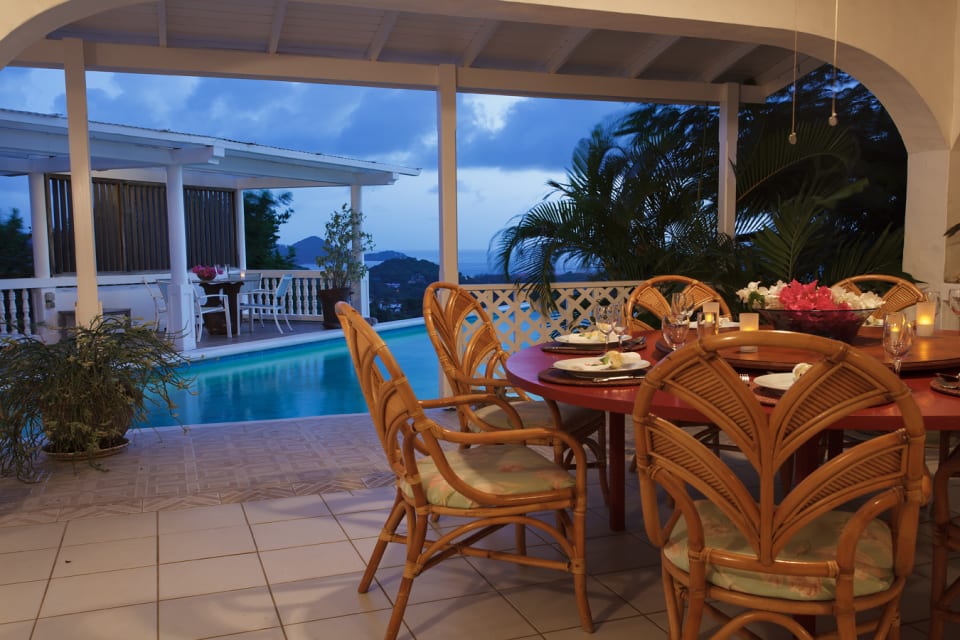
x,y
833,103
792,138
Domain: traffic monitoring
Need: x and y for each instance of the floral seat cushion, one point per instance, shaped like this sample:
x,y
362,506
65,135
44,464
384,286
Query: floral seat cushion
x,y
498,469
536,413
817,541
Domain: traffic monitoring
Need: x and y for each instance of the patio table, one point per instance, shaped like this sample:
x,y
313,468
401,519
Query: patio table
x,y
215,322
941,411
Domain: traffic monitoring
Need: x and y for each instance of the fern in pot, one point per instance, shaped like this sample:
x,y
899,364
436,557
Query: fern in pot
x,y
80,395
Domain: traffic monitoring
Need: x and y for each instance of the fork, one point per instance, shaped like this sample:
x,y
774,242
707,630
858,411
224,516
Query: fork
x,y
745,378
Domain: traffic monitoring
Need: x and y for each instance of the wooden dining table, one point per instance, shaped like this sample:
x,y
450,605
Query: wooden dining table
x,y
532,369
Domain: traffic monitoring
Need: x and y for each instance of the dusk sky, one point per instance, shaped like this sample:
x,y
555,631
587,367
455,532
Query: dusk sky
x,y
507,147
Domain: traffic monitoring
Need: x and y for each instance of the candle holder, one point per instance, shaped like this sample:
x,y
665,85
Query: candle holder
x,y
926,318
749,322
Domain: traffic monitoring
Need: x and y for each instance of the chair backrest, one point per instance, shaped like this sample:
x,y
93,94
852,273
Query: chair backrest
x,y
157,294
282,287
900,294
251,282
390,399
885,473
651,296
464,337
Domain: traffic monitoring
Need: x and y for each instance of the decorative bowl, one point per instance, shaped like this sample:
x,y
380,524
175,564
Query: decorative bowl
x,y
838,324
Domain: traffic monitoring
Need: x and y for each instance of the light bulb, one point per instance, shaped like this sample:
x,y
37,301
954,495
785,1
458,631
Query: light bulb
x,y
793,137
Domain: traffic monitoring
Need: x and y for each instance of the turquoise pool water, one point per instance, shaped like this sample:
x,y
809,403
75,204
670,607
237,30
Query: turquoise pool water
x,y
308,380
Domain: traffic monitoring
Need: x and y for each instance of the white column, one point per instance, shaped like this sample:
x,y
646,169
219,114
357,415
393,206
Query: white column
x,y
447,174
180,316
241,229
81,186
38,226
727,179
362,301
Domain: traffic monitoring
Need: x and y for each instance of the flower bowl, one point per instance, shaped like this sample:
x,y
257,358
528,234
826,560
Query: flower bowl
x,y
838,324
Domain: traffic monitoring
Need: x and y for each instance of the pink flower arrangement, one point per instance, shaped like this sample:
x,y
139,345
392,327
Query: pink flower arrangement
x,y
206,273
797,296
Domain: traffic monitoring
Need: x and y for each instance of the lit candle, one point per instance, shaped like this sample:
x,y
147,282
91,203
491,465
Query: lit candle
x,y
926,318
749,322
243,274
711,307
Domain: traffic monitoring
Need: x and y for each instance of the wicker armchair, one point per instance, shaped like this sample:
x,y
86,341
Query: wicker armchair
x,y
472,358
495,482
900,295
648,296
839,543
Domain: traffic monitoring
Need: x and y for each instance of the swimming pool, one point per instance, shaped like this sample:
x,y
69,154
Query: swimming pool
x,y
308,380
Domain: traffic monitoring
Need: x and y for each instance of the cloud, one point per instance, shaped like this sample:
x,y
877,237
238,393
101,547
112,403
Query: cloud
x,y
488,114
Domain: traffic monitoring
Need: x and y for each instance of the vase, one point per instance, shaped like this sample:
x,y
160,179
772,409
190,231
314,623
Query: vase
x,y
836,324
328,303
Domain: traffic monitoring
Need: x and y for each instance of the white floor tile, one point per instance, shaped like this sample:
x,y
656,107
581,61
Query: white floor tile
x,y
553,606
394,555
449,579
301,563
106,556
365,524
87,530
623,629
21,601
36,536
198,518
361,626
297,533
217,614
121,623
24,566
285,509
274,633
16,630
477,617
93,591
206,543
196,577
330,597
380,499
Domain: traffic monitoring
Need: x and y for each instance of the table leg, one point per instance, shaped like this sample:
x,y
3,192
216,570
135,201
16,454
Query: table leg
x,y
615,441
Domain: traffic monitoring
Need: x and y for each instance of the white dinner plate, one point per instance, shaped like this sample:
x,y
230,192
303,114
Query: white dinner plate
x,y
595,367
591,338
724,324
776,381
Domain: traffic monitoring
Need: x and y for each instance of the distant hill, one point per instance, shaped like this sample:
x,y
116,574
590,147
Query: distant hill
x,y
310,247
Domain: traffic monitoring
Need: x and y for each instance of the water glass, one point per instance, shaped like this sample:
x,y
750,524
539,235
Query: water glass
x,y
675,328
681,304
604,319
897,337
619,323
708,324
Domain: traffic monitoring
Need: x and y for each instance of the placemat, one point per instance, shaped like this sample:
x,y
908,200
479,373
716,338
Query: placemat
x,y
936,385
765,395
636,344
558,376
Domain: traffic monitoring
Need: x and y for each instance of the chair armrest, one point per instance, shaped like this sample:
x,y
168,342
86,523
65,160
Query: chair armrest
x,y
477,398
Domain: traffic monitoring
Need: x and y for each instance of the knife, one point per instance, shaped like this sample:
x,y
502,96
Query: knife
x,y
632,377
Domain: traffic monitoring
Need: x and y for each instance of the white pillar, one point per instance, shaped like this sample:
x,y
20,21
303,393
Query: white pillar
x,y
38,226
447,174
727,179
180,316
81,185
362,301
241,229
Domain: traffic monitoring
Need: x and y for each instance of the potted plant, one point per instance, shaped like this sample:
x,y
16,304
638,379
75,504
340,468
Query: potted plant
x,y
342,264
79,396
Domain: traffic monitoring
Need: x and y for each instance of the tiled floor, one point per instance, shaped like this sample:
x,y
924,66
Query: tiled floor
x,y
260,531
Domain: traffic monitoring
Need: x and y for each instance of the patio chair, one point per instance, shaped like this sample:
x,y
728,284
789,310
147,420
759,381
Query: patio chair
x,y
900,293
269,301
158,294
841,542
205,303
472,356
492,480
650,297
250,285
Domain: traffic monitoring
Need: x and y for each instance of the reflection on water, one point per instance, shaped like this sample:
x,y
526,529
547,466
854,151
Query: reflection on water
x,y
309,380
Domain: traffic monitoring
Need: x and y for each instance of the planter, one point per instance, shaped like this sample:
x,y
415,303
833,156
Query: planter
x,y
837,324
328,302
104,451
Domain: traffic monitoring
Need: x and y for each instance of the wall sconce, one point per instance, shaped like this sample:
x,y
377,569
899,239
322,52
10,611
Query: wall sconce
x,y
49,300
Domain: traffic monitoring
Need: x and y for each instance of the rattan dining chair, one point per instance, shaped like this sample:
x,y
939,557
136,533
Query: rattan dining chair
x,y
900,293
839,543
495,482
650,298
472,358
946,540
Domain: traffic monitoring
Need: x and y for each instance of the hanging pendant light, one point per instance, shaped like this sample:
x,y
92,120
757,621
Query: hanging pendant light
x,y
833,103
792,138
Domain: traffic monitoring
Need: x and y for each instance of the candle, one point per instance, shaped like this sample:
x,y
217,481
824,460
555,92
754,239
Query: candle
x,y
711,307
749,322
926,318
243,274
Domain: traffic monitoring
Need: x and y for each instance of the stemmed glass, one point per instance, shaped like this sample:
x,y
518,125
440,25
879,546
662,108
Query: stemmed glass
x,y
675,328
897,338
681,304
619,324
953,299
604,318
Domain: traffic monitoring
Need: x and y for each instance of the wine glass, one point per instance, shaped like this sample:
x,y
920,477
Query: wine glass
x,y
681,304
604,319
618,323
897,337
953,299
675,328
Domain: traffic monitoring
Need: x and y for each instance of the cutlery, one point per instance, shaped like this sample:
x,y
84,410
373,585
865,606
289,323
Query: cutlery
x,y
631,377
949,376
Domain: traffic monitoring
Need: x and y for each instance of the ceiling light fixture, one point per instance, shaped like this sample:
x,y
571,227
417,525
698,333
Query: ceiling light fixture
x,y
792,138
833,107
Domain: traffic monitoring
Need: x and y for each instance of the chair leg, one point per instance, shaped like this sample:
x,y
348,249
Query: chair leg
x,y
226,317
389,527
276,320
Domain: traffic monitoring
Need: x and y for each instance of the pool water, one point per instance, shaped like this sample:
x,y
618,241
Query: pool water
x,y
308,380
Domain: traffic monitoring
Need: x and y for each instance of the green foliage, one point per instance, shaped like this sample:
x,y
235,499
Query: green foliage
x,y
345,242
83,392
263,213
16,253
